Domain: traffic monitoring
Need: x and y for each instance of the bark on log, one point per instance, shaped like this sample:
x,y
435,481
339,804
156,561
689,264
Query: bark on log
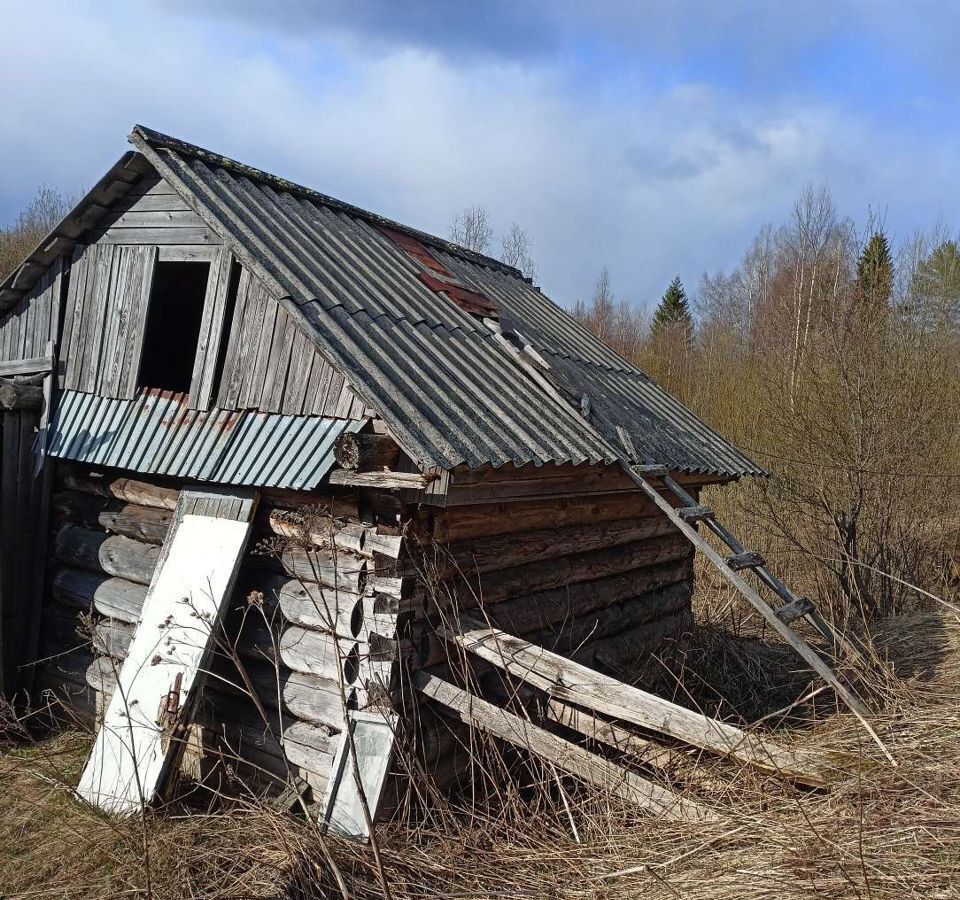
x,y
354,537
384,481
14,395
113,597
365,452
97,552
324,533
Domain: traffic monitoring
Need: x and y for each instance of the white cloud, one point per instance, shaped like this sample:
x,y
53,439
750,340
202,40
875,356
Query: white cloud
x,y
647,179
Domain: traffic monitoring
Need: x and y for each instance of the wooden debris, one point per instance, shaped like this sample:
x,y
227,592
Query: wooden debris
x,y
566,756
573,683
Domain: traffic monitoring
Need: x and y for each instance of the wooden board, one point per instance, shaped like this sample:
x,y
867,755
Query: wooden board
x,y
569,682
564,755
343,807
137,742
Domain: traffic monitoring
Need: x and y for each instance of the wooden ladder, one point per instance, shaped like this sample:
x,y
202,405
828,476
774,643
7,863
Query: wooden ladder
x,y
687,515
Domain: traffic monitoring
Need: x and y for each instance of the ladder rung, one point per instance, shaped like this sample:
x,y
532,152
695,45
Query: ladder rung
x,y
695,513
749,559
653,471
794,610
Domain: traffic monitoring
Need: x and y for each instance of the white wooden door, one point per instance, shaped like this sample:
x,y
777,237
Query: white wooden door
x,y
171,646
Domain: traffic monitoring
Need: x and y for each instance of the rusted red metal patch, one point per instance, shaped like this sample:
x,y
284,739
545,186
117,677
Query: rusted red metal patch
x,y
466,299
414,248
448,283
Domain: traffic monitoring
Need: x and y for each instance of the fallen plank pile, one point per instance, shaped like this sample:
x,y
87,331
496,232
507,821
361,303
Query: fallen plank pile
x,y
602,710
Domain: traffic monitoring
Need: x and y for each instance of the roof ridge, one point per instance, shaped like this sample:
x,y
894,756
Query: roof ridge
x,y
160,141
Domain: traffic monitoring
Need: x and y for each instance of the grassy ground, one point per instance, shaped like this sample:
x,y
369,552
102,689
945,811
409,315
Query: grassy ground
x,y
880,832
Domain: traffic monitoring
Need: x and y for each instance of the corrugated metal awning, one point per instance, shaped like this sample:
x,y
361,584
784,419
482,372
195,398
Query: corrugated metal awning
x,y
156,433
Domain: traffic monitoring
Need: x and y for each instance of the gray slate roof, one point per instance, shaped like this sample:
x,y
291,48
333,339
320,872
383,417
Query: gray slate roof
x,y
448,390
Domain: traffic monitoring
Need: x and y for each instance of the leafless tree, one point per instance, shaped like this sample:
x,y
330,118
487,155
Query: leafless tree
x,y
516,251
471,229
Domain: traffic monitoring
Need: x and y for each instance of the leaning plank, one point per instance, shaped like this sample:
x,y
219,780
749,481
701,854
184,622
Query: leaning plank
x,y
154,699
566,756
571,682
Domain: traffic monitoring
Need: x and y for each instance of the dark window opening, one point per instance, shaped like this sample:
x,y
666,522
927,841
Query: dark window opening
x,y
173,325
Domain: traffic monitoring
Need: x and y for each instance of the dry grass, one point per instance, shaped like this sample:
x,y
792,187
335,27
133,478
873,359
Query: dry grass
x,y
879,833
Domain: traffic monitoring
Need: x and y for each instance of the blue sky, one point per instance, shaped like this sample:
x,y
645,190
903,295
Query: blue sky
x,y
653,138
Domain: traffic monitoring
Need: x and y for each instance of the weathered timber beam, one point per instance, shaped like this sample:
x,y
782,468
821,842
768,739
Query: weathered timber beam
x,y
549,574
98,552
142,523
143,493
464,523
354,537
14,395
573,683
387,481
114,597
536,611
502,551
366,452
566,756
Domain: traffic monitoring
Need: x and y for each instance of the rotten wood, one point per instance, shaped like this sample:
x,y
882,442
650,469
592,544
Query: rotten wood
x,y
366,452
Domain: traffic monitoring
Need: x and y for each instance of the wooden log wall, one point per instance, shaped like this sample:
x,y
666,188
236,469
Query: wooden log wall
x,y
312,627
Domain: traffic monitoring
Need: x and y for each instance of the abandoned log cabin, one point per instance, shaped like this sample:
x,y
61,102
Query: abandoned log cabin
x,y
335,429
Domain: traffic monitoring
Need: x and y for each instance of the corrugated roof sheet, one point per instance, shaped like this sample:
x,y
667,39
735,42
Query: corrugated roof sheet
x,y
156,433
449,392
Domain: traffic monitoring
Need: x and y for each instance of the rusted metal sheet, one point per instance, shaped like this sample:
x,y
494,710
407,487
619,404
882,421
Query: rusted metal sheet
x,y
157,433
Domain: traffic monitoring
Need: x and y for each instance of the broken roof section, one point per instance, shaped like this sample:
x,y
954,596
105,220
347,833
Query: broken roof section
x,y
409,328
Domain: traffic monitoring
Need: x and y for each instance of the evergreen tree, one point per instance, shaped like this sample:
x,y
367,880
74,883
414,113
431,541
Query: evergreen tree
x,y
875,273
673,313
935,289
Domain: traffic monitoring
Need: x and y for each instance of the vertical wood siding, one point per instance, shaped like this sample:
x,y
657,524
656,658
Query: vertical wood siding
x,y
272,366
25,329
